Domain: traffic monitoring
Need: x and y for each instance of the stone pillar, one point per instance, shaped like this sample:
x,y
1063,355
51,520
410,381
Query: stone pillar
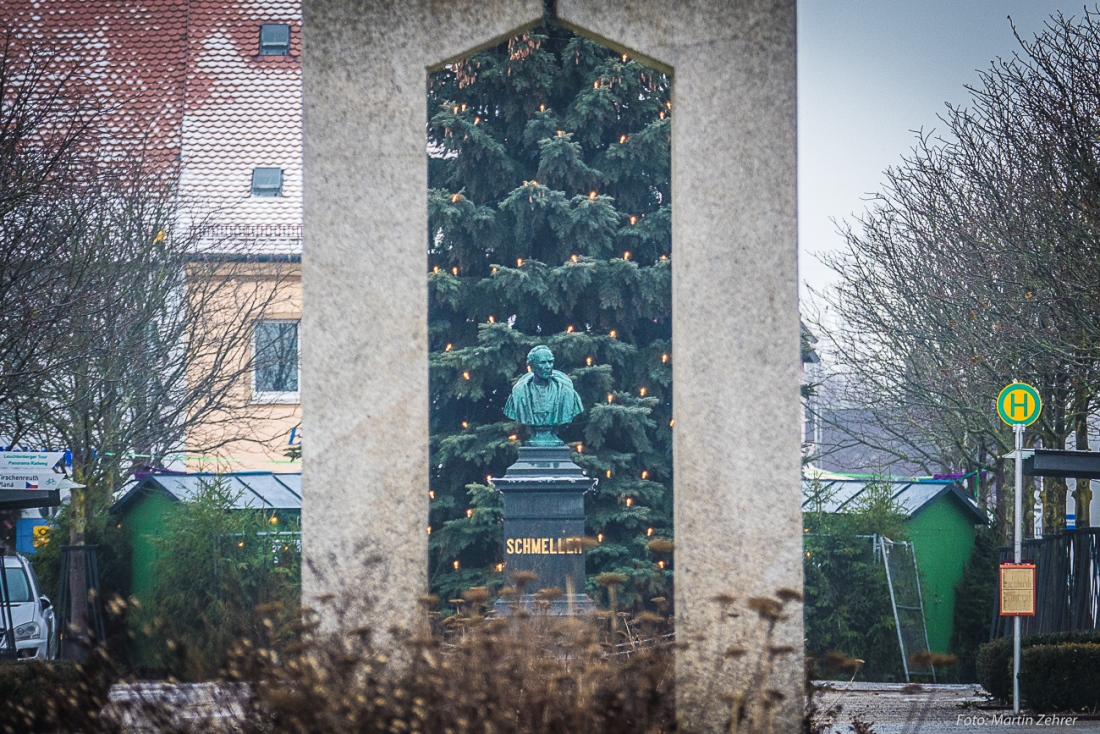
x,y
735,334
735,310
544,525
364,332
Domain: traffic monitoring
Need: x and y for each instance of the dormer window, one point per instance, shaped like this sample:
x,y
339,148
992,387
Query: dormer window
x,y
274,39
267,182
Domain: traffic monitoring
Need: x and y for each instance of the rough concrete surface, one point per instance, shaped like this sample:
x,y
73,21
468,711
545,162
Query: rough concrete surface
x,y
735,311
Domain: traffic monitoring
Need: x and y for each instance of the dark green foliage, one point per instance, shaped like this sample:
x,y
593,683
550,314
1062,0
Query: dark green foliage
x,y
216,566
994,661
847,608
975,595
36,696
1063,677
549,214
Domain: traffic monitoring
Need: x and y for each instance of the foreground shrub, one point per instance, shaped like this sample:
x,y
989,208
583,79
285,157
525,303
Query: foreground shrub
x,y
994,662
37,696
1062,677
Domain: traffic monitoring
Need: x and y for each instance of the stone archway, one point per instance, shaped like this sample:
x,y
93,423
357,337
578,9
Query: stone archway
x,y
735,320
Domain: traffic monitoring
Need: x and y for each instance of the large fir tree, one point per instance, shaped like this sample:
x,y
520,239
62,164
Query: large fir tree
x,y
549,223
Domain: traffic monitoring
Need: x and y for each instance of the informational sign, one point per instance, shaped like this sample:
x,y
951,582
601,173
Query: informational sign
x,y
1019,404
1017,590
15,461
43,479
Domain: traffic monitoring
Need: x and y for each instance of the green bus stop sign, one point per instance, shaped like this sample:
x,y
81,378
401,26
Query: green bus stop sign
x,y
1019,404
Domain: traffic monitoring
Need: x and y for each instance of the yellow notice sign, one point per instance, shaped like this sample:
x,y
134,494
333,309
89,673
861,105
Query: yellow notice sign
x,y
1017,590
41,535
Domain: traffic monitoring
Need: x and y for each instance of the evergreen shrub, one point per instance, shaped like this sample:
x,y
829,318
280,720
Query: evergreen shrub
x,y
1063,677
994,661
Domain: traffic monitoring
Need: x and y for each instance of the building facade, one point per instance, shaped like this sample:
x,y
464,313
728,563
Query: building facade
x,y
211,88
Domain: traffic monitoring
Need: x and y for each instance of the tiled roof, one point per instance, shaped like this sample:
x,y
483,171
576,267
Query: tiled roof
x,y
187,76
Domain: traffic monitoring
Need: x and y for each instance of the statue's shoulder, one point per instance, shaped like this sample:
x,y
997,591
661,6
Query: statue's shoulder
x,y
523,380
562,379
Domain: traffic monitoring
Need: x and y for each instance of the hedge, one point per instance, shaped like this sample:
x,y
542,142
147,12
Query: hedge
x,y
37,696
1062,677
994,661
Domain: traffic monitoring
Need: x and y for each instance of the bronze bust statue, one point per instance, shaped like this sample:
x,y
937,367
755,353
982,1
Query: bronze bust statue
x,y
543,398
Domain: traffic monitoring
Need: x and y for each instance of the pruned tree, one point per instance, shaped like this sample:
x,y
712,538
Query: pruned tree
x,y
976,265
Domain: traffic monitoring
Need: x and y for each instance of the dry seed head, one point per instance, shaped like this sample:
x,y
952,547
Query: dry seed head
x,y
725,599
766,607
788,594
610,579
661,545
476,594
522,578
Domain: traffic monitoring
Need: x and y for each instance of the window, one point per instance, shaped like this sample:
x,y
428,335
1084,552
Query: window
x,y
18,586
267,182
275,374
274,39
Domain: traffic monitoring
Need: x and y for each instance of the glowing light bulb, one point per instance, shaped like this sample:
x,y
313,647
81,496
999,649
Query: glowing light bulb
x,y
645,474
612,333
456,109
491,320
580,448
519,262
448,348
454,270
633,220
573,258
610,397
599,537
662,115
463,106
624,58
592,194
661,564
542,108
513,437
641,391
431,494
664,257
672,422
608,473
456,564
626,255
454,198
622,139
465,424
500,567
488,477
435,269
595,85
649,531
241,544
477,120
664,357
588,361
629,501
429,530
569,329
561,133
469,512
465,375
274,520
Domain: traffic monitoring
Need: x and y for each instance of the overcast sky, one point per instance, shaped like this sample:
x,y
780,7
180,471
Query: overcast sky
x,y
869,73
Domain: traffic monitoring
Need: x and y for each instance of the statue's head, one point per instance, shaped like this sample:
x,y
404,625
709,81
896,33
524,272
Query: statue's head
x,y
541,361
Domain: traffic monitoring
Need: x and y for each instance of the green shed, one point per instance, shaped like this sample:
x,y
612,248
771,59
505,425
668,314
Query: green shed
x,y
941,525
144,504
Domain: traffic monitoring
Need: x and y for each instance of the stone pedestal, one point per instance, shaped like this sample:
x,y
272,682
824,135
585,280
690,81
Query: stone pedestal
x,y
544,526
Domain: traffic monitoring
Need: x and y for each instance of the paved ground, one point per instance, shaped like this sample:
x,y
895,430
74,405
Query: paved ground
x,y
894,708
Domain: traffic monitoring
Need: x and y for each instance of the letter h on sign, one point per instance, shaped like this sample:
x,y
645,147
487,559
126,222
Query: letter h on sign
x,y
1014,404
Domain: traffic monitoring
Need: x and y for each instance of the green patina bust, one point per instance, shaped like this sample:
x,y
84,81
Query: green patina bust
x,y
543,398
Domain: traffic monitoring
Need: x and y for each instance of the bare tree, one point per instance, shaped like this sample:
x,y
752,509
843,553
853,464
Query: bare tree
x,y
977,265
127,333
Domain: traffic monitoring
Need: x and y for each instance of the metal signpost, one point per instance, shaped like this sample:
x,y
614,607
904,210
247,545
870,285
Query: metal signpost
x,y
1018,405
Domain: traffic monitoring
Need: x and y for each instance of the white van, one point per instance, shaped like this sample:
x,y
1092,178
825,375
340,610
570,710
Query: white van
x,y
31,613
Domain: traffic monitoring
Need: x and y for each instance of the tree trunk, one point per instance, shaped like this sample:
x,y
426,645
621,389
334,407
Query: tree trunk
x,y
1083,494
77,633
